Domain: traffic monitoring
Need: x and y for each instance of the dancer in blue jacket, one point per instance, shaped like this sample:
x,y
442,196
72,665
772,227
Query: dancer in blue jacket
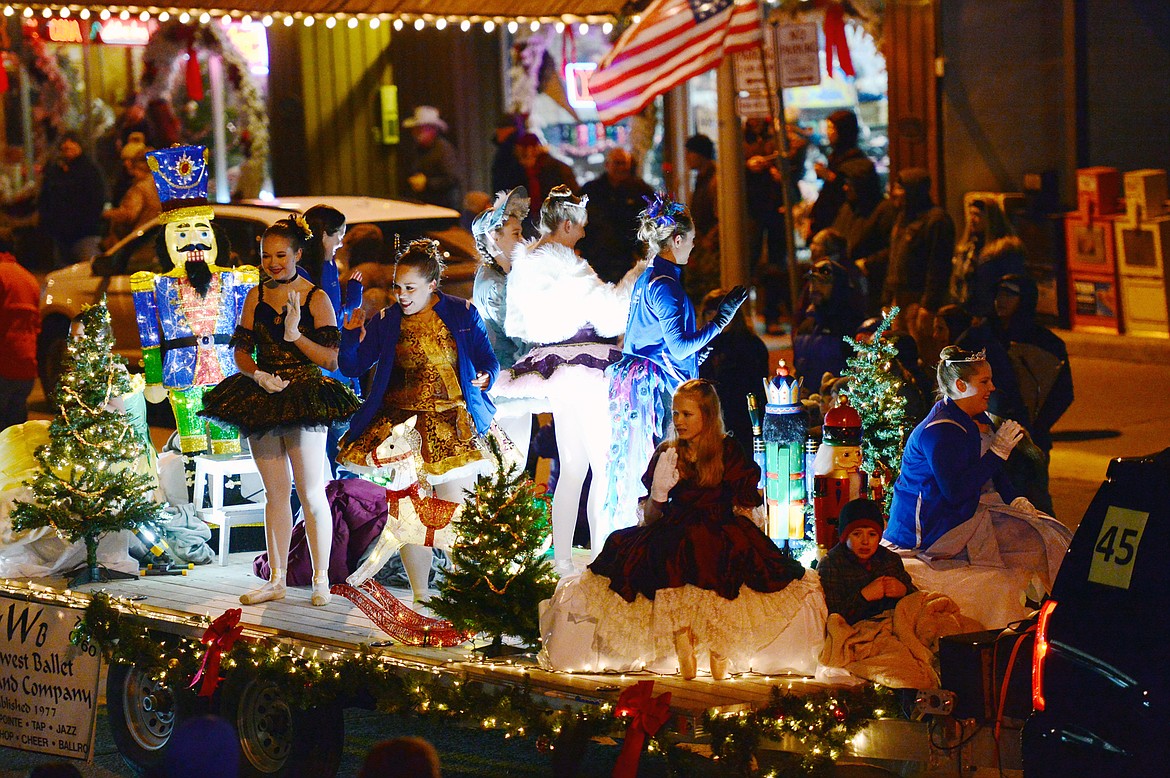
x,y
663,348
434,364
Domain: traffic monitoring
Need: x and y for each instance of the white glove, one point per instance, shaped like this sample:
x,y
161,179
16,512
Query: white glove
x,y
1007,436
1024,505
269,382
155,393
665,475
292,318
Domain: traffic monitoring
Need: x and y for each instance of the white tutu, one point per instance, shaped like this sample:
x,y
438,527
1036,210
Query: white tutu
x,y
587,627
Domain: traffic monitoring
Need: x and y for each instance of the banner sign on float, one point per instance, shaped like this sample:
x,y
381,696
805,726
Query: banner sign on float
x,y
48,687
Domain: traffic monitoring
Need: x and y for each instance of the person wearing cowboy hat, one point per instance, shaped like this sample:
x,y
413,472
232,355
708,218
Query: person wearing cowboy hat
x,y
434,178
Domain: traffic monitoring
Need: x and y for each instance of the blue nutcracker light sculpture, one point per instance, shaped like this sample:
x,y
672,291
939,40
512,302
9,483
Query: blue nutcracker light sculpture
x,y
785,431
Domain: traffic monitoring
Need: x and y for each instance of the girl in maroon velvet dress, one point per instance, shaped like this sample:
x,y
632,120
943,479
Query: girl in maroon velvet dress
x,y
696,555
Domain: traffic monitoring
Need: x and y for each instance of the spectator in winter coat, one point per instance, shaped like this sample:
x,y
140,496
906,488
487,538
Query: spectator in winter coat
x,y
20,323
542,172
832,309
969,287
866,221
435,176
1033,378
73,193
921,247
843,132
737,364
616,197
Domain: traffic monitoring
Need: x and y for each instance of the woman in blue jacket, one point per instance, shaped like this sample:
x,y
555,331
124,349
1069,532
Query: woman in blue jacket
x,y
328,227
952,499
662,350
945,465
434,362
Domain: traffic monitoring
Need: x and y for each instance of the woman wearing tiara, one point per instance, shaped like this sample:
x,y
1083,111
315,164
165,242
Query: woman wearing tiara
x,y
663,348
952,499
556,302
433,366
284,404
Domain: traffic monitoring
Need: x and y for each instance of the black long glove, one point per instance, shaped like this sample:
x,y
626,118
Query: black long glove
x,y
730,305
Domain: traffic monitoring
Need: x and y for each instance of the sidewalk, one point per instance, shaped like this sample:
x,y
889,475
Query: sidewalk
x,y
1136,349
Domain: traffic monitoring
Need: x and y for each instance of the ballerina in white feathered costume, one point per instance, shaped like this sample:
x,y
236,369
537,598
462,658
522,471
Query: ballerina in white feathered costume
x,y
556,302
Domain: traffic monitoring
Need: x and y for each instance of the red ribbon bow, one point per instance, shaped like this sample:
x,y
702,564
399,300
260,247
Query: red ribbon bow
x,y
835,39
397,494
219,638
647,715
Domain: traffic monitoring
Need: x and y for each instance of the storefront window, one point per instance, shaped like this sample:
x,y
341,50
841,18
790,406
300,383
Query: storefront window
x,y
548,84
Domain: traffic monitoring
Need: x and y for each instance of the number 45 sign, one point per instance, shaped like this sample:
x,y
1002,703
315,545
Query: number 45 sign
x,y
1117,547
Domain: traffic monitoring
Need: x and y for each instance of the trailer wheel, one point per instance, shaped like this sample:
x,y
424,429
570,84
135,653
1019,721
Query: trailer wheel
x,y
278,739
143,713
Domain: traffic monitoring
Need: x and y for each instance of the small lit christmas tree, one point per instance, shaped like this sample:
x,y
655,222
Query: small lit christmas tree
x,y
500,573
87,485
874,390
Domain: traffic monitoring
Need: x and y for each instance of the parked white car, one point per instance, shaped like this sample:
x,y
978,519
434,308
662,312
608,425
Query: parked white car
x,y
68,289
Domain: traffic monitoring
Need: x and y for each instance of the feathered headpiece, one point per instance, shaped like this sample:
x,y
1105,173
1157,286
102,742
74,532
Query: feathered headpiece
x,y
514,202
661,209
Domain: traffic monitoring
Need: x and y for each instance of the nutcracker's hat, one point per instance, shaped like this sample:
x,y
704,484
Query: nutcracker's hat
x,y
782,391
180,175
842,425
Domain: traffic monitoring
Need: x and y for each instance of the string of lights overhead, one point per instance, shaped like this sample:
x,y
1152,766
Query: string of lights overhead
x,y
488,24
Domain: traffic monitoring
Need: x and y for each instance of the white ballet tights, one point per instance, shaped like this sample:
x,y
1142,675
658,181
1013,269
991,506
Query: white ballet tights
x,y
582,427
298,455
518,428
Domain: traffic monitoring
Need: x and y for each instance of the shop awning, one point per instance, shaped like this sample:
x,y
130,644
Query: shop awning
x,y
474,9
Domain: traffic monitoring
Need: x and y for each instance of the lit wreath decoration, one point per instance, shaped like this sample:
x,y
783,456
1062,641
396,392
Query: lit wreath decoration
x,y
52,91
161,67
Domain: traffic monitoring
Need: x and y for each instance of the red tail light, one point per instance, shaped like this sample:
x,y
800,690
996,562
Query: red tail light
x,y
1039,654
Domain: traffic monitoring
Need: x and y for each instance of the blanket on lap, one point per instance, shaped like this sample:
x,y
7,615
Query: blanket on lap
x,y
898,648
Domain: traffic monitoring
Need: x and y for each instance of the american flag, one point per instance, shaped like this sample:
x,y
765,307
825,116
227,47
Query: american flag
x,y
672,42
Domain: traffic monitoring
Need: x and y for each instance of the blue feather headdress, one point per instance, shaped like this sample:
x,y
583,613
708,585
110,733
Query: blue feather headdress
x,y
661,209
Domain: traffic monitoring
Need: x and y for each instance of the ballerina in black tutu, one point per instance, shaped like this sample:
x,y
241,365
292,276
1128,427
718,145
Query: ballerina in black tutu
x,y
284,404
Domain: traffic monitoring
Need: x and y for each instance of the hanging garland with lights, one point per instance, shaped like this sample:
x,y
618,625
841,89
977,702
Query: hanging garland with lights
x,y
167,47
823,722
52,93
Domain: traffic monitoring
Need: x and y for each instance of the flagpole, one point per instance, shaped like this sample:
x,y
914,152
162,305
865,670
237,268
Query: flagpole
x,y
780,128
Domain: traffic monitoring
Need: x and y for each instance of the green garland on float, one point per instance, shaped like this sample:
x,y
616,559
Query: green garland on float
x,y
823,722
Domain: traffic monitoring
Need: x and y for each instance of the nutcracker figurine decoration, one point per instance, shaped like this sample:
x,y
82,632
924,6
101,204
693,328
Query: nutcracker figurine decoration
x,y
186,314
837,476
785,430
